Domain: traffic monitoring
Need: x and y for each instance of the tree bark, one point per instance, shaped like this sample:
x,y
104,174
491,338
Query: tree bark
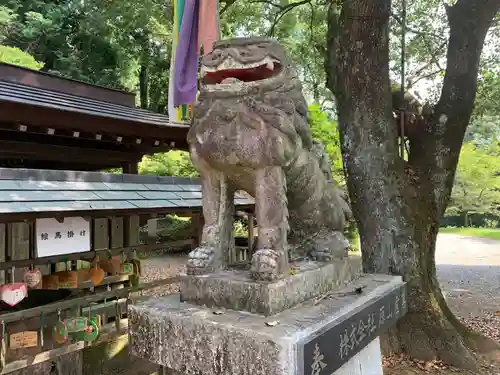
x,y
143,86
397,205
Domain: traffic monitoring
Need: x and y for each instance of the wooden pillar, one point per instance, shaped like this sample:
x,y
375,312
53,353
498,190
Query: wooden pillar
x,y
3,252
152,231
18,246
131,168
197,223
251,235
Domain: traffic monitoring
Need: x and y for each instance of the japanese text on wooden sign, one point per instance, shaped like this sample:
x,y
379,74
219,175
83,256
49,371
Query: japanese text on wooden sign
x,y
72,235
26,339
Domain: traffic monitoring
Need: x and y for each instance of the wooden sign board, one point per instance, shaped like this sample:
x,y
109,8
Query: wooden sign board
x,y
26,339
68,279
72,235
50,282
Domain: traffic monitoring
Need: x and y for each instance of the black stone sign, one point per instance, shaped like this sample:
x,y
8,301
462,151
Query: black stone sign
x,y
330,348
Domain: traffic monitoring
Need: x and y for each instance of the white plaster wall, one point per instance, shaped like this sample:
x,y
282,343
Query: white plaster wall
x,y
367,362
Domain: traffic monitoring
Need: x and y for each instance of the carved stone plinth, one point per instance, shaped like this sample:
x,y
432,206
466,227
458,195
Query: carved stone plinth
x,y
336,333
236,290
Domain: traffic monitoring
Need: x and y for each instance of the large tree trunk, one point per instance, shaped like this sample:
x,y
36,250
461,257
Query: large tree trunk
x,y
398,204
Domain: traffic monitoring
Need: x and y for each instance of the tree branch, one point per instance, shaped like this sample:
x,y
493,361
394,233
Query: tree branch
x,y
434,60
283,10
436,150
227,4
415,31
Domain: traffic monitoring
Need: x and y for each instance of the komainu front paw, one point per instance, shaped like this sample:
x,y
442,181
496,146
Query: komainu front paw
x,y
201,260
265,265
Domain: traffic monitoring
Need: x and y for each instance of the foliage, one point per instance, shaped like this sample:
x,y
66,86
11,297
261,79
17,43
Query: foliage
x,y
173,228
122,44
477,181
325,130
492,233
15,56
484,130
172,163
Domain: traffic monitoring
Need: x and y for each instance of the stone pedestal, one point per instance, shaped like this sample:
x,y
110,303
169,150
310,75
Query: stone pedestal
x,y
332,328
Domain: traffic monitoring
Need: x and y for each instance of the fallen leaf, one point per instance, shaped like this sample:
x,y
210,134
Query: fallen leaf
x,y
272,323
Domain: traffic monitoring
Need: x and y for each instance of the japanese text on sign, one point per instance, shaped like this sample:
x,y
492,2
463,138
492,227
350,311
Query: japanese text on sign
x,y
56,238
325,353
26,339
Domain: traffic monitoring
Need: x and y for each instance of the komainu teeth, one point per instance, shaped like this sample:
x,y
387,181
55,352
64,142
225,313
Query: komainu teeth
x,y
230,80
270,65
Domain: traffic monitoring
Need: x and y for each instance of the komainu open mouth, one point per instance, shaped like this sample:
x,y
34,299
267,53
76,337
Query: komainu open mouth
x,y
232,73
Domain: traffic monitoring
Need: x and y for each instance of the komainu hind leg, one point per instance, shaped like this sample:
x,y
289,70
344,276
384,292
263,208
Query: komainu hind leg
x,y
217,238
271,258
328,245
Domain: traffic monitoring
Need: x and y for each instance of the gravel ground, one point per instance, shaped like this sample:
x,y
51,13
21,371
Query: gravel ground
x,y
468,270
162,267
469,273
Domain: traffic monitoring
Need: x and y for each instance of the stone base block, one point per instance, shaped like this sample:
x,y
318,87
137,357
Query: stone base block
x,y
237,291
319,337
367,362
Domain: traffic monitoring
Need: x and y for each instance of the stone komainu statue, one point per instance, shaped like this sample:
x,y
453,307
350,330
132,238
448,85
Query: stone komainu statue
x,y
250,132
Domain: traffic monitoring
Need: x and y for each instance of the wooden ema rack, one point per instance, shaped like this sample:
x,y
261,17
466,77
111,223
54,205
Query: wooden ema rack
x,y
39,208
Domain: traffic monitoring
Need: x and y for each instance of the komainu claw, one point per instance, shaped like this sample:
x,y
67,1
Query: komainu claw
x,y
265,265
201,260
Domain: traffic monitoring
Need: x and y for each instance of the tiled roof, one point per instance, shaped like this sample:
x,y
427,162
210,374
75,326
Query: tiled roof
x,y
40,97
29,191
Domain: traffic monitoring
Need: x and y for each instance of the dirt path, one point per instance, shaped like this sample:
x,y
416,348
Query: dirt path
x,y
468,270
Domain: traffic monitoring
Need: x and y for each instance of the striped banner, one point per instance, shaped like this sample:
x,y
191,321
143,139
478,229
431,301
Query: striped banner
x,y
184,111
208,32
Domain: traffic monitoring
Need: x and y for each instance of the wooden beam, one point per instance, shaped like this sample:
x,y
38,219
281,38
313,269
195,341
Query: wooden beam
x,y
30,115
71,165
83,301
181,211
39,151
88,255
83,139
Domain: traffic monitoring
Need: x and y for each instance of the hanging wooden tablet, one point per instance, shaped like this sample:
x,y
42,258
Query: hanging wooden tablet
x,y
60,332
111,265
25,339
96,273
68,279
50,282
127,269
33,278
90,332
13,293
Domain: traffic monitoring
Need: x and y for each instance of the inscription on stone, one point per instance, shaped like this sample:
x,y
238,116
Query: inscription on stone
x,y
331,348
